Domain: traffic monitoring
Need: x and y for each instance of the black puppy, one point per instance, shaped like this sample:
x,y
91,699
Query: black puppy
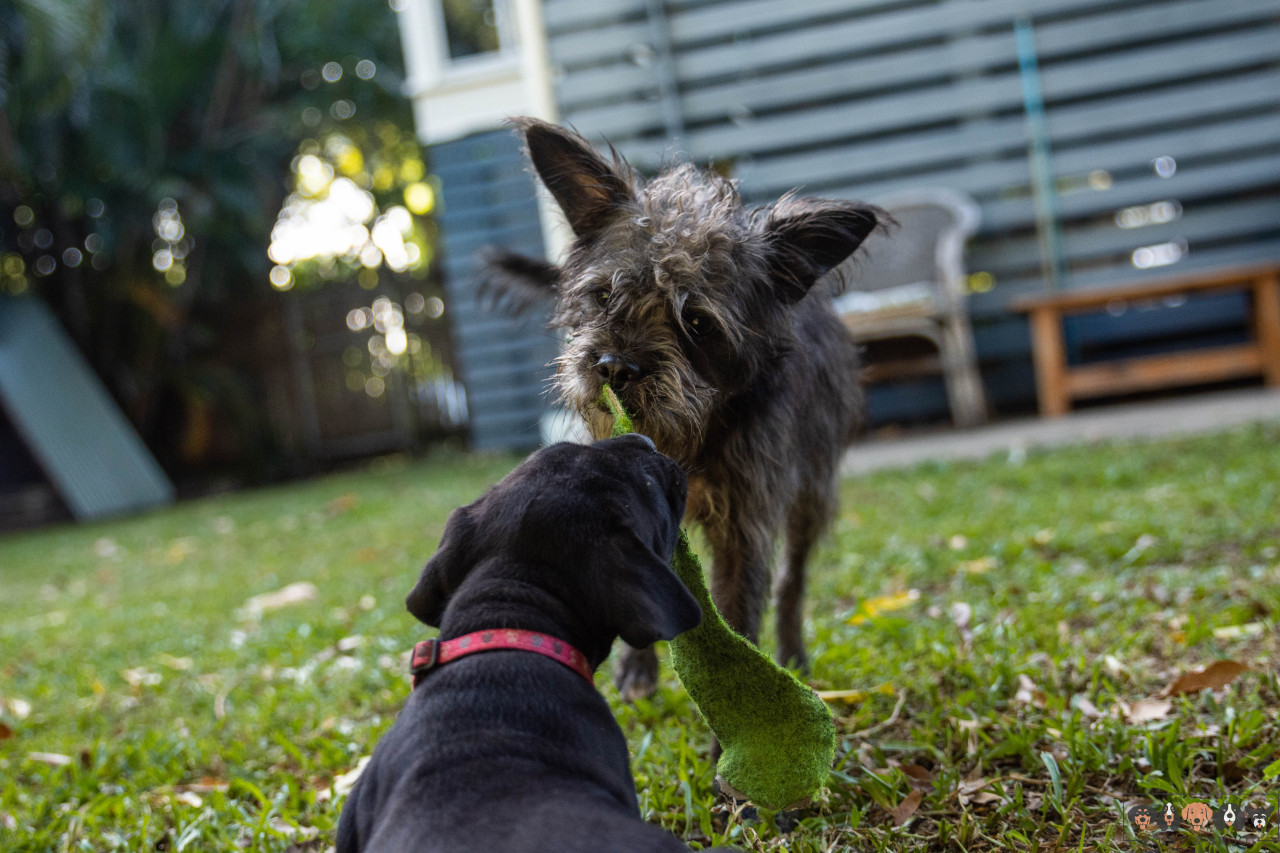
x,y
511,750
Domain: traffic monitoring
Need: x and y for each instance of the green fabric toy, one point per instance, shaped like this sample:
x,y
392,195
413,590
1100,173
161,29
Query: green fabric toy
x,y
778,737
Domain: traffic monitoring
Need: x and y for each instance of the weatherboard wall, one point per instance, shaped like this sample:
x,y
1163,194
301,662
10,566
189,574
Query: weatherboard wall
x,y
504,362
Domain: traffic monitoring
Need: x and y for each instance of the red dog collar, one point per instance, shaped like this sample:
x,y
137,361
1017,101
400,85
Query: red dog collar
x,y
432,653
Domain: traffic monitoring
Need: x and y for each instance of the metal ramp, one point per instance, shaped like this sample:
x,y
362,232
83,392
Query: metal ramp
x,y
72,427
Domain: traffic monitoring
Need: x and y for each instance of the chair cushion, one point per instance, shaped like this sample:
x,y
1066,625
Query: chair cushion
x,y
904,298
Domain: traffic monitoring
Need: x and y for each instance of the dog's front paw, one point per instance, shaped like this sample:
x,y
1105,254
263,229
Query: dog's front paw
x,y
636,673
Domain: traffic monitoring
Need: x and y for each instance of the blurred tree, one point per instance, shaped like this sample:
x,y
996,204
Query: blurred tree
x,y
145,151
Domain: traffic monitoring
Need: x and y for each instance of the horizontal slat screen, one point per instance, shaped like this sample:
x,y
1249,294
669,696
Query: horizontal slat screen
x,y
488,199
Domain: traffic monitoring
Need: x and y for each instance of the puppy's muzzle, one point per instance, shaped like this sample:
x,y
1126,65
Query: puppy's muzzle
x,y
617,370
641,438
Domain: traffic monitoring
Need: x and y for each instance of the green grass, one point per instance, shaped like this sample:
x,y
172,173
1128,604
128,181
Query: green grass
x,y
1047,588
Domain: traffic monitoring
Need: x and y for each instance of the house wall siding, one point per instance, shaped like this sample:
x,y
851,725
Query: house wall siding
x,y
504,362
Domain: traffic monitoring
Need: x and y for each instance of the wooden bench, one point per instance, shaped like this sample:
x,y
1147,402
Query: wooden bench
x,y
1058,384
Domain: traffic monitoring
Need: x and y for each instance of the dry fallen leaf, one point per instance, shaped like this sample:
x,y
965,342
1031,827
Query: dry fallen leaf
x,y
141,677
1086,708
53,759
206,785
1029,694
188,798
354,641
1141,546
980,566
294,593
974,791
1235,632
179,549
288,830
905,809
852,696
1145,710
1218,674
873,607
343,784
341,504
972,727
918,776
5,732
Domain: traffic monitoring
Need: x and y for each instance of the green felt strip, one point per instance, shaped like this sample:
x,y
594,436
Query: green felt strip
x,y
778,737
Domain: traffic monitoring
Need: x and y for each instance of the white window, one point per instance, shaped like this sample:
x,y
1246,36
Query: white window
x,y
471,28
474,34
469,66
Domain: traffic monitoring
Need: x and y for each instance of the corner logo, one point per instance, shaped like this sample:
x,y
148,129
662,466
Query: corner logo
x,y
1200,817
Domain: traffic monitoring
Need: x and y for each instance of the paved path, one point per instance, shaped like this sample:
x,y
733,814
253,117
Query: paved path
x,y
1182,415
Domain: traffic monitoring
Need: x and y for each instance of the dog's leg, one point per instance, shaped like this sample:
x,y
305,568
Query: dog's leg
x,y
804,525
636,673
740,574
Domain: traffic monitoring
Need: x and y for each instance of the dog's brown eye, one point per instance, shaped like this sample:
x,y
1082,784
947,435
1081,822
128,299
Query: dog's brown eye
x,y
697,323
602,296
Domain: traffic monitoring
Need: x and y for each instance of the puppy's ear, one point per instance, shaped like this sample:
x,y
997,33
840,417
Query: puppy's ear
x,y
446,569
646,601
809,237
588,188
515,282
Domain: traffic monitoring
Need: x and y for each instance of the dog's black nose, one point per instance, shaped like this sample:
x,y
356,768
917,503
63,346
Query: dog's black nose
x,y
617,370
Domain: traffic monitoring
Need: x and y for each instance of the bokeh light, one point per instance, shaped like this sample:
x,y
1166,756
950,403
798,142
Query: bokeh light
x,y
172,244
1160,254
281,278
419,198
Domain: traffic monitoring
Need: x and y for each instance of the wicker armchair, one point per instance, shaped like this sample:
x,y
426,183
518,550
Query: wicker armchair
x,y
911,282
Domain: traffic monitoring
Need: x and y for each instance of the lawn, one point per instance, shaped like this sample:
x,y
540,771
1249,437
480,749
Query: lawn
x,y
1002,630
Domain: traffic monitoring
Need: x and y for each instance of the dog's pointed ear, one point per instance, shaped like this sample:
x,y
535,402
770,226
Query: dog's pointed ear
x,y
809,237
588,188
647,601
446,569
515,282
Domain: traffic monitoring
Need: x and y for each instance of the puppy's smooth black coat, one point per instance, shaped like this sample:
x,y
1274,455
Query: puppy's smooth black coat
x,y
509,750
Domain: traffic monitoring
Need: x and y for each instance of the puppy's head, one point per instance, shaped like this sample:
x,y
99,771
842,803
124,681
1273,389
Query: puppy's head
x,y
591,526
673,292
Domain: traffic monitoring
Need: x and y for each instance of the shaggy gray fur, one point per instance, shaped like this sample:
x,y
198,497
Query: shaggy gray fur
x,y
704,318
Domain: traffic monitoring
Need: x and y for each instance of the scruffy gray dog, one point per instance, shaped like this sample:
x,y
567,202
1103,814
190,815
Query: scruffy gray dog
x,y
703,316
